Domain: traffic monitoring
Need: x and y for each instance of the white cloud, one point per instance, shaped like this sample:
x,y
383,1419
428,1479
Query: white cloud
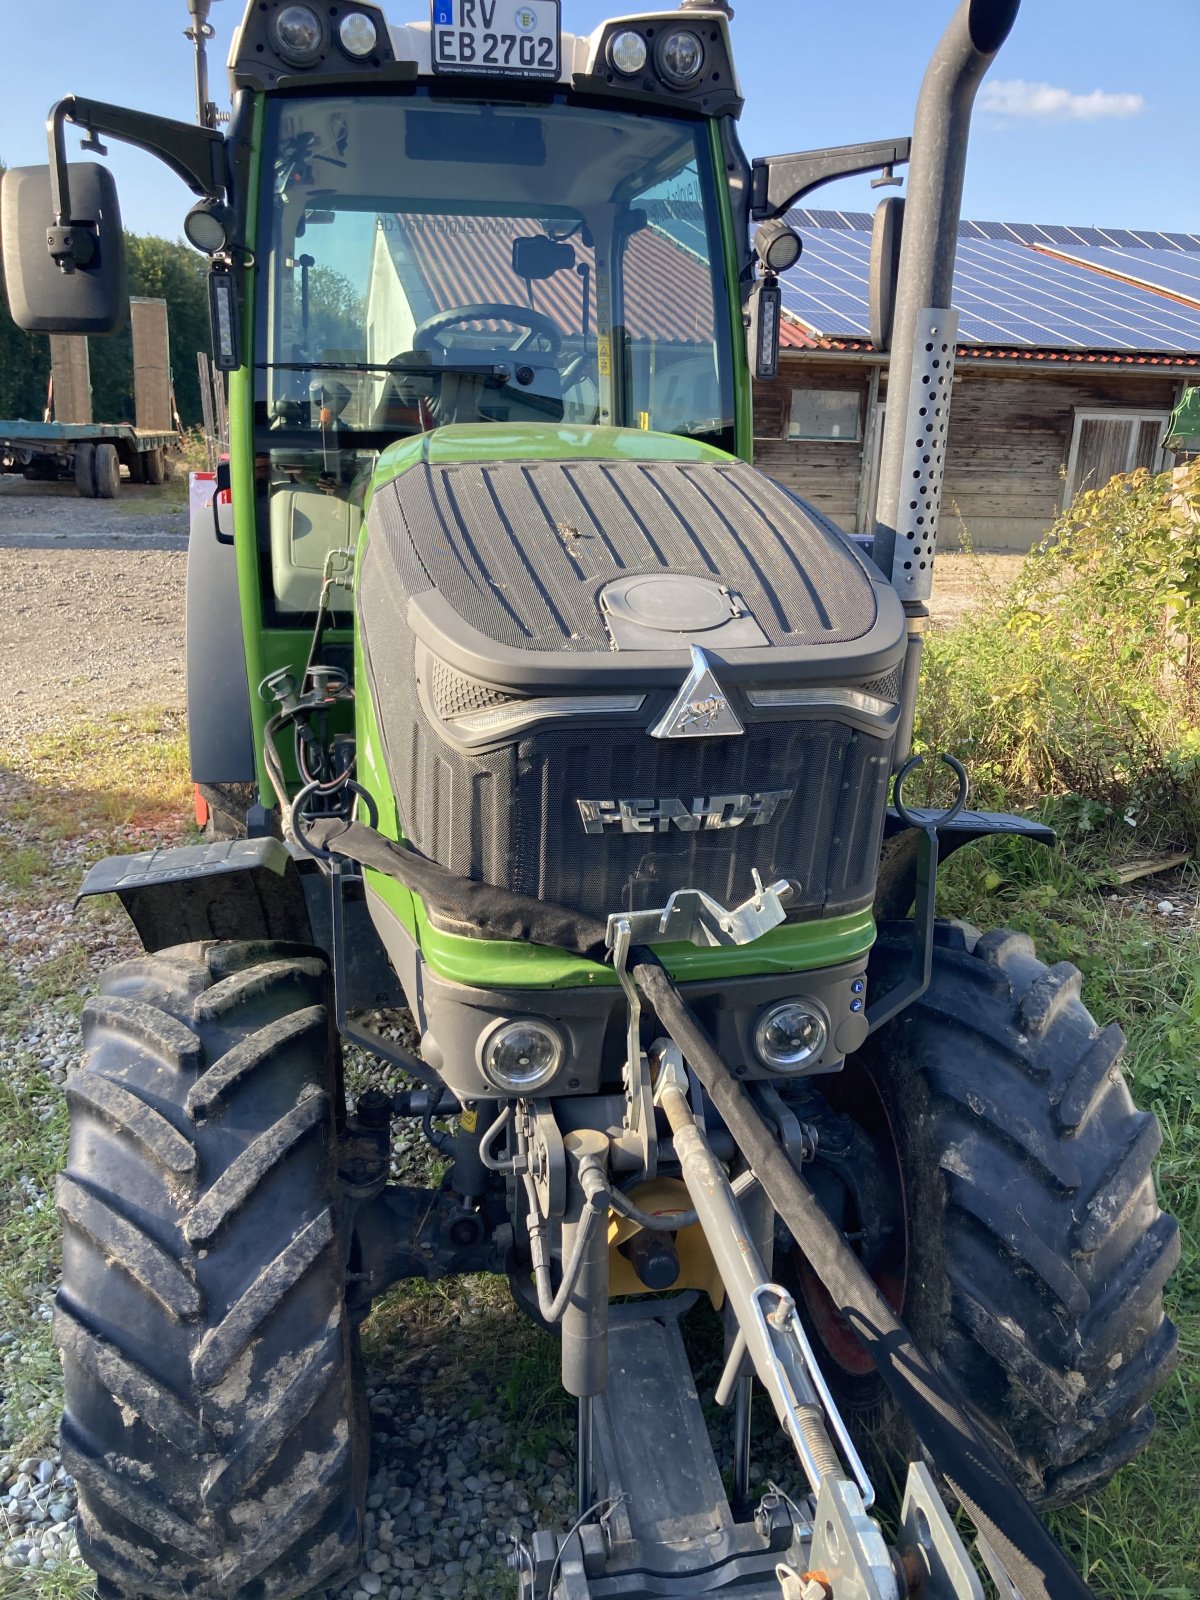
x,y
1016,98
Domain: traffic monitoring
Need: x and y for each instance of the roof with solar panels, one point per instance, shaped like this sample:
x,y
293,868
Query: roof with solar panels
x,y
1023,292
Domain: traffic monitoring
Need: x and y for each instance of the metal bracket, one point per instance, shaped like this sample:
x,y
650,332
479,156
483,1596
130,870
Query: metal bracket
x,y
689,916
692,917
929,1538
848,1548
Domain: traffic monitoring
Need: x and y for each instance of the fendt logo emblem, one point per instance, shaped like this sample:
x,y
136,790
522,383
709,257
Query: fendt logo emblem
x,y
660,816
703,714
700,709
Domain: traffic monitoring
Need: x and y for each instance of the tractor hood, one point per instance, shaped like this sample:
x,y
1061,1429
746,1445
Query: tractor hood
x,y
607,665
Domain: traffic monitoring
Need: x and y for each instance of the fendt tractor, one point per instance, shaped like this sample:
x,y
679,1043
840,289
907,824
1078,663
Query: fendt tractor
x,y
520,701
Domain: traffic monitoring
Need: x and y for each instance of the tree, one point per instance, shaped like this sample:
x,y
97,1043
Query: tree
x,y
158,269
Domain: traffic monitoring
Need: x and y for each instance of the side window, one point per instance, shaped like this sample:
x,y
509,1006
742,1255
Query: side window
x,y
668,309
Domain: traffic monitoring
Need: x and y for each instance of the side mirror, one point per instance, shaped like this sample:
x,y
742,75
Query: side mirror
x,y
535,258
88,295
886,232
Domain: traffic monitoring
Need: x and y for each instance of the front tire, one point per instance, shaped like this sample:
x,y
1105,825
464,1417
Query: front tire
x,y
1034,1252
213,1416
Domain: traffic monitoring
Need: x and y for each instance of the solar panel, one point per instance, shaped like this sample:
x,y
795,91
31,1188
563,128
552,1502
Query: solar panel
x,y
1008,293
1175,271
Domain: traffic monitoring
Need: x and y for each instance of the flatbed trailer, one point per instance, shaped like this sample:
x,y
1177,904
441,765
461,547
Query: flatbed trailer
x,y
92,452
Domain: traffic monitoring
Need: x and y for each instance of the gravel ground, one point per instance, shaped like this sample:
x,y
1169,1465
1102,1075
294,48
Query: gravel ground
x,y
467,1452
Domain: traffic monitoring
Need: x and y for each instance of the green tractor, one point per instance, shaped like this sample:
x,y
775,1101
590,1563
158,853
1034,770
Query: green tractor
x,y
518,698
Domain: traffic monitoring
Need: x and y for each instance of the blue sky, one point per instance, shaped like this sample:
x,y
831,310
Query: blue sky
x,y
1091,120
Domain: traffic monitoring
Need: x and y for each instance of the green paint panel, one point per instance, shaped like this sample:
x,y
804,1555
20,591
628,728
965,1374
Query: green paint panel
x,y
535,441
500,964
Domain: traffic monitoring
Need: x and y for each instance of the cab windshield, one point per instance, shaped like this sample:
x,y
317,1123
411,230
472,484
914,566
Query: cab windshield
x,y
432,261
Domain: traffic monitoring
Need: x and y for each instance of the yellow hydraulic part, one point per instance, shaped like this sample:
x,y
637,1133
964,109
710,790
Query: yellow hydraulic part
x,y
697,1269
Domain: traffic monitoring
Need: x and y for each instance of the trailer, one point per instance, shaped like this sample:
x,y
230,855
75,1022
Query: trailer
x,y
93,452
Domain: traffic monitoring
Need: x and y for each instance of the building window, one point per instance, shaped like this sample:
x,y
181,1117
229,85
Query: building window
x,y
1104,443
826,414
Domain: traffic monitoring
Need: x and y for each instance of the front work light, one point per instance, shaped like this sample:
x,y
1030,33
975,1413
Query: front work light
x,y
627,52
299,35
520,1057
790,1035
680,57
777,245
357,34
207,226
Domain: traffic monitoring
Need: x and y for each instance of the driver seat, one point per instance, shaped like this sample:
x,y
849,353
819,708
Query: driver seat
x,y
414,401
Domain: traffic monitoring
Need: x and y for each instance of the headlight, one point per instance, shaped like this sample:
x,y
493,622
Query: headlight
x,y
778,245
789,1035
357,34
299,35
519,1057
207,226
627,52
680,57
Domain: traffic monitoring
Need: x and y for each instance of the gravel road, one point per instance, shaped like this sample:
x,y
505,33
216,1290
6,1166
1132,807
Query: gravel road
x,y
93,603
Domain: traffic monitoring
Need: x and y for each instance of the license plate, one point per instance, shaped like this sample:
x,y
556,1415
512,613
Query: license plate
x,y
497,37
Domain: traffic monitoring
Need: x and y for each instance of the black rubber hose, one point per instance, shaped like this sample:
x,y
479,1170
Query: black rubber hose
x,y
1034,1562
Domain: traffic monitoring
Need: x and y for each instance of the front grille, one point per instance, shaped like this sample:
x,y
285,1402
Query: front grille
x,y
512,817
454,695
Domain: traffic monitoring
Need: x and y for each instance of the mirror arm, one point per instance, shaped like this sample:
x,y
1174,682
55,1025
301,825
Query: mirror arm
x,y
777,182
197,155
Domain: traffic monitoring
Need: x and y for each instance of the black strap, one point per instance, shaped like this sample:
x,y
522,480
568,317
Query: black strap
x,y
461,905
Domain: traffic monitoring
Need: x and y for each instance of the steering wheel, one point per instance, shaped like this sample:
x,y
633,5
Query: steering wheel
x,y
425,334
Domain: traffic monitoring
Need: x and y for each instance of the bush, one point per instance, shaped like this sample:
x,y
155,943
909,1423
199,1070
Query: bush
x,y
1082,684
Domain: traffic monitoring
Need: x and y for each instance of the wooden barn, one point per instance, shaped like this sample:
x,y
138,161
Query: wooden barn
x,y
1075,346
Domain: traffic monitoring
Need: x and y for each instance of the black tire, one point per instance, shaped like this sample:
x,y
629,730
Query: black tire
x,y
85,470
214,1416
107,471
153,466
1036,1253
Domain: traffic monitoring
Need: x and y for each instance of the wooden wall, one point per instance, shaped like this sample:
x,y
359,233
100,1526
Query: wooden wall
x,y
825,471
1010,434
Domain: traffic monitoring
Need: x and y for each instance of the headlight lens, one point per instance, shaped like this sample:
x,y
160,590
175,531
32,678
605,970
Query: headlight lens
x,y
627,52
680,57
357,34
778,245
299,35
519,1057
789,1035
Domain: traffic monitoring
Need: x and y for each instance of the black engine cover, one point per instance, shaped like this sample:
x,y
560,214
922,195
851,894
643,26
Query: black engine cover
x,y
528,626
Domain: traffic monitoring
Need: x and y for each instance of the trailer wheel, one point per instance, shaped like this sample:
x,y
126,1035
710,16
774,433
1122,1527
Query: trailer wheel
x,y
85,470
214,1415
153,466
107,471
1034,1253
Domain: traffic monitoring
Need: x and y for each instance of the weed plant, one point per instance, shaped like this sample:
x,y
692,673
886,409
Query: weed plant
x,y
1080,687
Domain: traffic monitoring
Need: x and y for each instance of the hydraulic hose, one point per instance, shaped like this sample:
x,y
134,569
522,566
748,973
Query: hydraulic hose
x,y
1033,1560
